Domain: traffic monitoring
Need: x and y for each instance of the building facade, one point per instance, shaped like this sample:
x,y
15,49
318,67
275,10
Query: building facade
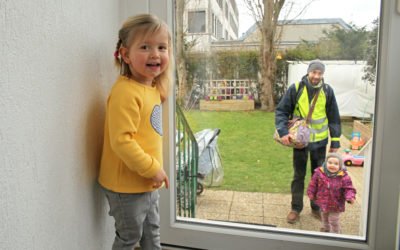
x,y
209,21
289,34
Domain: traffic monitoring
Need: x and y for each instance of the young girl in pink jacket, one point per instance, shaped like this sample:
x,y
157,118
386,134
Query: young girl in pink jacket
x,y
330,188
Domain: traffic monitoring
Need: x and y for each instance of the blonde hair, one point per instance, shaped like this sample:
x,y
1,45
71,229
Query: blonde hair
x,y
140,27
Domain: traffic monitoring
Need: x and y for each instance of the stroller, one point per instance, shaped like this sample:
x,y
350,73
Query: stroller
x,y
210,172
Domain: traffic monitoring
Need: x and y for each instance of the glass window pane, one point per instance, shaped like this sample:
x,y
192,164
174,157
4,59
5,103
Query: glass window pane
x,y
229,168
197,21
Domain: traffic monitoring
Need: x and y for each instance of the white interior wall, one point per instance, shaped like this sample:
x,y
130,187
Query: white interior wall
x,y
56,70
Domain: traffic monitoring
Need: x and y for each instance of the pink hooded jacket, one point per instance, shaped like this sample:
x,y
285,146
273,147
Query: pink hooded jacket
x,y
331,193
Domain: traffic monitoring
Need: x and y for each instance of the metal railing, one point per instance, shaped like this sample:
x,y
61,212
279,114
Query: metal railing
x,y
187,158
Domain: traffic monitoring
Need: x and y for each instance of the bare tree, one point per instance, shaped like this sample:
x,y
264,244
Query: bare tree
x,y
180,50
266,14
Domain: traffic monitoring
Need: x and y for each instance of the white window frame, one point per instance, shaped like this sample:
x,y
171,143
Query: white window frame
x,y
384,194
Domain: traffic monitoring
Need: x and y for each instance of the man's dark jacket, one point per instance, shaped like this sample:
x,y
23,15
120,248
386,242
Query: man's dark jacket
x,y
285,108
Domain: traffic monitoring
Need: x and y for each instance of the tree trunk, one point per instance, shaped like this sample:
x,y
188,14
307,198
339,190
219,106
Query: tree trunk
x,y
271,12
180,52
268,79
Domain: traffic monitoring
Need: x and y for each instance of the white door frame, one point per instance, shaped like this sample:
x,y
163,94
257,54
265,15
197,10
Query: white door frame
x,y
384,194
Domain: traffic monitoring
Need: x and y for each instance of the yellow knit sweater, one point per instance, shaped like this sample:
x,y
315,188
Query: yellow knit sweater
x,y
132,148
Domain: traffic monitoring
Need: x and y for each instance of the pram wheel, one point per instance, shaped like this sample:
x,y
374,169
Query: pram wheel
x,y
200,188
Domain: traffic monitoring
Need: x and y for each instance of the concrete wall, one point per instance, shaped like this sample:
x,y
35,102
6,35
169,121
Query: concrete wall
x,y
55,73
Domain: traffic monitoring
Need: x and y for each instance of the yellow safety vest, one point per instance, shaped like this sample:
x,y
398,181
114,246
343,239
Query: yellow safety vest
x,y
319,122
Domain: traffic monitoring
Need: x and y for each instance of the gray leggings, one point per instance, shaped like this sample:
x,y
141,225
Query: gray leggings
x,y
136,220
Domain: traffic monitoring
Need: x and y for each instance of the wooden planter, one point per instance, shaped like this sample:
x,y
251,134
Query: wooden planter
x,y
227,105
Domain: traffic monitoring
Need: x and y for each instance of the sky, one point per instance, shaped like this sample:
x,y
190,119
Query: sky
x,y
359,12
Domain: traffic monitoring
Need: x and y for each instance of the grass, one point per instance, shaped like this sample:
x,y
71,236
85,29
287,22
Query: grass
x,y
347,129
252,160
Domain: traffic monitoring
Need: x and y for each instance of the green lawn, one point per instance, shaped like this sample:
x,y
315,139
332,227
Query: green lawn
x,y
251,159
347,129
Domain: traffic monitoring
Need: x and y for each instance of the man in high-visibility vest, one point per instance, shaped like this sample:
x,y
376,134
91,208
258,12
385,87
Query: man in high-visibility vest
x,y
325,120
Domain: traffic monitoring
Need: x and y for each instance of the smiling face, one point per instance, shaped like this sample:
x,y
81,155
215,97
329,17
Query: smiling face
x,y
148,58
333,164
315,76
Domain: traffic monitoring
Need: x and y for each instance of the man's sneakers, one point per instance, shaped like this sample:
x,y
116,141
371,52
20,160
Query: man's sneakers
x,y
316,214
292,217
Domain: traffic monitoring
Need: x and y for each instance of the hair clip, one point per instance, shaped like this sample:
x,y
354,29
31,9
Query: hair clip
x,y
116,54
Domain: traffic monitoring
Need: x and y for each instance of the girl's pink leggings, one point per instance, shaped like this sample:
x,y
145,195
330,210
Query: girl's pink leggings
x,y
330,222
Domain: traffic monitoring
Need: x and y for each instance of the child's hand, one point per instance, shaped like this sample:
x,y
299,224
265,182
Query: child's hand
x,y
159,178
351,201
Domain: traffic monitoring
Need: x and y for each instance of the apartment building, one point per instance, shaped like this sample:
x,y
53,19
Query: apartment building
x,y
209,21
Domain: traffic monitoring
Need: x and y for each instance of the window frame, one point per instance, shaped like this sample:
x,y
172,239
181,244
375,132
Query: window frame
x,y
382,231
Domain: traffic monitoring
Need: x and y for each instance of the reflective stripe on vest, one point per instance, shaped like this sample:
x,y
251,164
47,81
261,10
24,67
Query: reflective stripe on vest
x,y
319,122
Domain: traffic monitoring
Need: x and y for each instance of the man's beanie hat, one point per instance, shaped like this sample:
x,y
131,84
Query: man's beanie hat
x,y
316,65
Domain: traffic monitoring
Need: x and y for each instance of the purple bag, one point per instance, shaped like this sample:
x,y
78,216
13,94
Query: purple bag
x,y
299,133
298,128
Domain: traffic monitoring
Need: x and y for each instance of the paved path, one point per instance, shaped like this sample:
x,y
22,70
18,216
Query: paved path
x,y
272,208
266,209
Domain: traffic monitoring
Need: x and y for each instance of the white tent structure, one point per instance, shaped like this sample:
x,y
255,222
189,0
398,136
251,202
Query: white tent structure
x,y
355,97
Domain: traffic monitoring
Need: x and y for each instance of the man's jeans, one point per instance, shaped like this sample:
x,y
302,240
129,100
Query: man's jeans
x,y
300,157
136,220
